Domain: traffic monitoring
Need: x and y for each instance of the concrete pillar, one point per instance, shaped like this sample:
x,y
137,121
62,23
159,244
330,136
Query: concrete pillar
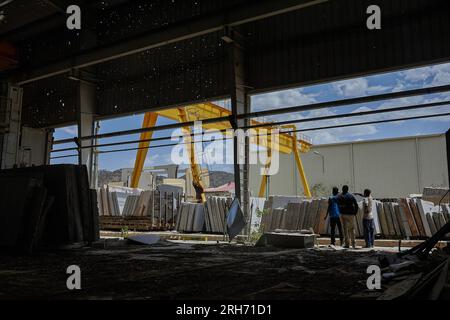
x,y
86,118
239,105
447,136
10,124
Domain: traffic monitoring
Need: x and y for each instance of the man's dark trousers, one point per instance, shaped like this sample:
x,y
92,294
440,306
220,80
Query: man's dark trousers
x,y
369,229
333,223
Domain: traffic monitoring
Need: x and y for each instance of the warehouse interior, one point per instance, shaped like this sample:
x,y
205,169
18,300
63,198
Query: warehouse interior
x,y
157,139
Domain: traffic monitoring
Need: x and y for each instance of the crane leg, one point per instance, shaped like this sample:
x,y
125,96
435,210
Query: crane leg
x,y
262,188
195,168
301,172
149,121
265,178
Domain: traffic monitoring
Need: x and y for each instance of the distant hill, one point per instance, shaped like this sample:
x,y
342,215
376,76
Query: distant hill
x,y
216,178
105,176
219,178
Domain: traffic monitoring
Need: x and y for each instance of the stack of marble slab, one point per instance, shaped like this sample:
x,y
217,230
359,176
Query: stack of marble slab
x,y
303,214
393,220
191,217
107,202
46,206
432,217
400,219
130,205
411,218
143,204
215,212
112,200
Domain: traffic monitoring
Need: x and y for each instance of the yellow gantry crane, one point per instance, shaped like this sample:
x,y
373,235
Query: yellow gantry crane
x,y
286,143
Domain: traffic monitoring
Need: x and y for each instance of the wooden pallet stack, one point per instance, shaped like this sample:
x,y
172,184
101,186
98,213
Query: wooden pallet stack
x,y
47,205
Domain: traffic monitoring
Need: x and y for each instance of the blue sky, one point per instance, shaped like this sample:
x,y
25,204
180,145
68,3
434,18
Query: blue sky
x,y
362,86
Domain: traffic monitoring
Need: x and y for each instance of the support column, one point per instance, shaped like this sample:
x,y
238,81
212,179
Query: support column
x,y
239,105
447,136
48,146
87,104
86,116
94,174
10,123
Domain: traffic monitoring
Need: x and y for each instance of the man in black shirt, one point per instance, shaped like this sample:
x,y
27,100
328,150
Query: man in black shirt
x,y
349,209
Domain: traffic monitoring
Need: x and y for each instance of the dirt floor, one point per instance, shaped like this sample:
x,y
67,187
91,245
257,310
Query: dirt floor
x,y
117,270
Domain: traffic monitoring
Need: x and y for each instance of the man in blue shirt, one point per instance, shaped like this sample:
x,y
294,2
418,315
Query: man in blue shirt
x,y
335,216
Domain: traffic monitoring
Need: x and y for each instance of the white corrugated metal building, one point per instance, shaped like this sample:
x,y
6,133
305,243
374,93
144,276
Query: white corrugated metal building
x,y
390,168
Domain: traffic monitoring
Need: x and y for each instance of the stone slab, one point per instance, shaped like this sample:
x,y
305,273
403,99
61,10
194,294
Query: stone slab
x,y
287,240
424,208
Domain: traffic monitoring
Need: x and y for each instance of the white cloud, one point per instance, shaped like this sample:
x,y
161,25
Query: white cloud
x,y
341,134
152,160
286,98
410,101
328,135
434,75
416,75
356,87
72,130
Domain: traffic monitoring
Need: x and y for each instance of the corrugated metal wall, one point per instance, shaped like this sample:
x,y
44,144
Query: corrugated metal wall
x,y
49,102
327,41
190,70
331,41
390,168
104,24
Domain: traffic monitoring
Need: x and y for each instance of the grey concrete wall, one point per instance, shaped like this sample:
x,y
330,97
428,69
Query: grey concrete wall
x,y
390,168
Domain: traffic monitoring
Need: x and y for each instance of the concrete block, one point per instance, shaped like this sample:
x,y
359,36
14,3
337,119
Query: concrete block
x,y
287,240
